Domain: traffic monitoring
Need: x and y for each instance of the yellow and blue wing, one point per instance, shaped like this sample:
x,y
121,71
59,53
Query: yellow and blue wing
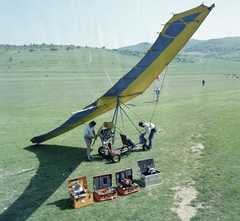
x,y
175,34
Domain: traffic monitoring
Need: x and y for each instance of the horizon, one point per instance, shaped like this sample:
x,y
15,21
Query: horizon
x,y
89,46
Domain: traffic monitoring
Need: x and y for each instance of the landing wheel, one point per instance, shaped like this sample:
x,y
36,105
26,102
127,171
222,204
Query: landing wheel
x,y
144,146
101,151
116,158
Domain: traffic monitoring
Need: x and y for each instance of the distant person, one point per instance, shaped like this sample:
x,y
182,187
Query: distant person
x,y
157,91
203,82
89,134
149,129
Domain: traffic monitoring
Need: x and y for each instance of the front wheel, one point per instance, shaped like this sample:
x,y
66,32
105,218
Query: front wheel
x,y
116,158
144,146
101,151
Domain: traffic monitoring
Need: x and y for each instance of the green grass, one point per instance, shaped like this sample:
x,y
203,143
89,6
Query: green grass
x,y
33,179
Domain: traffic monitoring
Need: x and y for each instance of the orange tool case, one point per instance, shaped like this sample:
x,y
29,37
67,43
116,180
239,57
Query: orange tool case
x,y
124,181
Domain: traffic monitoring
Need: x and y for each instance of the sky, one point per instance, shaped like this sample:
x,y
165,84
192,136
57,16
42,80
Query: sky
x,y
108,23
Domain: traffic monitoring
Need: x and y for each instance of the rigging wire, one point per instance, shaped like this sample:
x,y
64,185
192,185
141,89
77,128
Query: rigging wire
x,y
119,103
160,93
133,112
121,112
129,117
98,86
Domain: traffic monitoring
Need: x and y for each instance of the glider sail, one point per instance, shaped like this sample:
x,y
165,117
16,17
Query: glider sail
x,y
175,34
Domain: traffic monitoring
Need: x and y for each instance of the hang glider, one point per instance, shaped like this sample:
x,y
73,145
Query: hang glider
x,y
175,34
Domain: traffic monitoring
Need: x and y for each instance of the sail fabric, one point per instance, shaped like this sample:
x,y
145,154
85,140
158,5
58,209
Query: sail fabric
x,y
175,34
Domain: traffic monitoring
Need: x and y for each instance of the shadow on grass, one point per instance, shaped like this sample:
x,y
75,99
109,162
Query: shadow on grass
x,y
63,204
54,162
108,159
149,102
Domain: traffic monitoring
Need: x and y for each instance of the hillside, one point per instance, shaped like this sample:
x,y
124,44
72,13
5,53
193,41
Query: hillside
x,y
220,45
221,48
141,47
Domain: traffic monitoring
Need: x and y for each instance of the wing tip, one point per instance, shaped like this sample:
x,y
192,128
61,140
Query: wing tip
x,y
34,140
211,7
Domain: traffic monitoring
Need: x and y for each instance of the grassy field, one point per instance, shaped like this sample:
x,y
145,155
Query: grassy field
x,y
196,147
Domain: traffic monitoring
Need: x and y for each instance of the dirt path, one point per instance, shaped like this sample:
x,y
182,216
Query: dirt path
x,y
184,210
185,195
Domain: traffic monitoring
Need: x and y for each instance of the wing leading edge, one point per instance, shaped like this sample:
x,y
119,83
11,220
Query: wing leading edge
x,y
175,34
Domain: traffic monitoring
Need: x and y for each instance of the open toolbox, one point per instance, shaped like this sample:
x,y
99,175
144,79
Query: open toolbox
x,y
103,189
149,176
79,193
124,181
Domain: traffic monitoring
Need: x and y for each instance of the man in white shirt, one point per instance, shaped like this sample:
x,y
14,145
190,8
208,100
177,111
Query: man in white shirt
x,y
149,129
89,134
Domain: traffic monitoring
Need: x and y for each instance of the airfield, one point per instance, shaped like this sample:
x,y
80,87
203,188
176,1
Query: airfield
x,y
196,147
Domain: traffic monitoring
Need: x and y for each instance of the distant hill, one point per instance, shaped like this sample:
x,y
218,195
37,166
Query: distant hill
x,y
221,45
142,47
221,48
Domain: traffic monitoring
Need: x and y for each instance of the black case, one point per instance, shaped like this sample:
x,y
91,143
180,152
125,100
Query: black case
x,y
103,189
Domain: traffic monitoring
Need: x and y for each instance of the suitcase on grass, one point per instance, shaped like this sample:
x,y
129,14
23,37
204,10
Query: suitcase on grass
x,y
103,189
79,194
124,181
149,176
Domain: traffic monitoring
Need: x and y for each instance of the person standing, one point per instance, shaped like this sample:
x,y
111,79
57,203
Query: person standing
x,y
89,134
203,82
150,129
157,91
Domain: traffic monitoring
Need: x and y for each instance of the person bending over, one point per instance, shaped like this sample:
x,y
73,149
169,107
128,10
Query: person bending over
x,y
150,129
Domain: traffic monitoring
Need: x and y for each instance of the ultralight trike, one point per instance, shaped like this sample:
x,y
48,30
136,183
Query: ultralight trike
x,y
107,138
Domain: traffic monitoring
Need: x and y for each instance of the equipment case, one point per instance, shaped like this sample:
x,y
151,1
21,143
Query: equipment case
x,y
78,192
124,181
103,189
149,176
